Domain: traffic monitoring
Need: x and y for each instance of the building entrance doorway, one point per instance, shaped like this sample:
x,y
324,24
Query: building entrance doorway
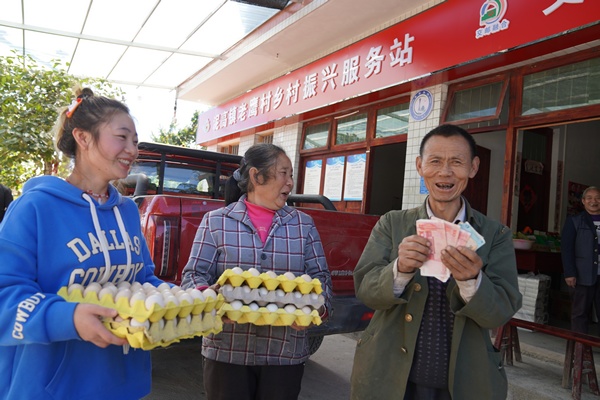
x,y
387,178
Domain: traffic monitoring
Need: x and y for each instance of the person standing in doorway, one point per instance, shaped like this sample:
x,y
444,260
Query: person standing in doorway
x,y
580,252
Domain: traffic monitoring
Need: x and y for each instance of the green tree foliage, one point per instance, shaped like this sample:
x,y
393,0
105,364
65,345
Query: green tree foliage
x,y
30,97
185,137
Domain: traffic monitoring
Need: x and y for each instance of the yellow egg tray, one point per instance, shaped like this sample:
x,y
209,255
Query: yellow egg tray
x,y
138,309
175,318
281,281
262,316
171,331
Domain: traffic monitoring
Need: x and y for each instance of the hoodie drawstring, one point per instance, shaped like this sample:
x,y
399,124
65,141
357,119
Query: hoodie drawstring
x,y
104,243
125,237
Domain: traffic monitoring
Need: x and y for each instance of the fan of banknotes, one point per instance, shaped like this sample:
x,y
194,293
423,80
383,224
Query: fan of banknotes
x,y
441,234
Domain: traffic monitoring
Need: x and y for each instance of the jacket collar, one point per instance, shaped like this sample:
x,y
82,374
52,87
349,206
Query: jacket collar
x,y
238,211
423,211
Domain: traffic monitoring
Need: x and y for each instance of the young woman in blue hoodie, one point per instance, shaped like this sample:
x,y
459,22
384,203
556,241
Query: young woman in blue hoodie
x,y
61,232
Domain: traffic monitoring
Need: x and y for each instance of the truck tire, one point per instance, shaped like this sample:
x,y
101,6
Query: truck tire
x,y
314,342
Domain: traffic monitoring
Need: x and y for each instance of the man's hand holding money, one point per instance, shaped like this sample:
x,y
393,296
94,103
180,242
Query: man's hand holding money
x,y
462,262
413,251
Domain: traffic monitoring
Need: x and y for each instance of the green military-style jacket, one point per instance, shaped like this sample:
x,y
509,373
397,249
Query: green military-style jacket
x,y
384,352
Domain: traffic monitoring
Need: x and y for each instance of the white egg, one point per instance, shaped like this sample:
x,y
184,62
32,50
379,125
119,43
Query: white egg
x,y
253,306
237,270
110,285
93,287
163,286
125,292
135,286
306,310
299,299
124,285
272,307
107,291
226,290
154,299
246,293
271,274
150,292
184,296
170,298
196,294
317,300
254,272
289,275
147,286
161,324
262,292
306,277
209,293
73,287
137,324
279,294
137,296
236,304
280,297
176,289
290,308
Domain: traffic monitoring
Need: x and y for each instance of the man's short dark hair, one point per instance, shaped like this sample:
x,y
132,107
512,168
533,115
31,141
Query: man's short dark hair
x,y
448,130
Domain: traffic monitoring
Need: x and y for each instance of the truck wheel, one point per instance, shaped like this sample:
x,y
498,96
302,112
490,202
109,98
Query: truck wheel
x,y
314,342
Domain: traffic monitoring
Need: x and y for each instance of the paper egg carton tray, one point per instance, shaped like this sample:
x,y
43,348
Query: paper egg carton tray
x,y
270,299
287,282
263,297
150,316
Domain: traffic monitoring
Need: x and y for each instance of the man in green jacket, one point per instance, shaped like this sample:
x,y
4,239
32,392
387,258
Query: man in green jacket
x,y
430,339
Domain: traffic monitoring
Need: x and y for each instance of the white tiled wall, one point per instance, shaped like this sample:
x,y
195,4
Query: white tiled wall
x,y
288,138
245,143
416,131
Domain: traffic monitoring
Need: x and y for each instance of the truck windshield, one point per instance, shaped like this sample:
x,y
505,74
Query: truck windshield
x,y
178,178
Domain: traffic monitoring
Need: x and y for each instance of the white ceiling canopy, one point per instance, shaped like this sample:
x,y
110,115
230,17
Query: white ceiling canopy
x,y
158,43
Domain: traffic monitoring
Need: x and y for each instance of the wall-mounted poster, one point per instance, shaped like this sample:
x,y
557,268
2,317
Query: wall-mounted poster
x,y
355,176
312,176
334,177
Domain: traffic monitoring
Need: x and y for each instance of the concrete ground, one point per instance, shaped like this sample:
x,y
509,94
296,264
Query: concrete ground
x,y
177,370
539,375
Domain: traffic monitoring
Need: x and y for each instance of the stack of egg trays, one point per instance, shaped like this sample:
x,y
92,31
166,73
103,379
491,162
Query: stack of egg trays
x,y
253,288
165,325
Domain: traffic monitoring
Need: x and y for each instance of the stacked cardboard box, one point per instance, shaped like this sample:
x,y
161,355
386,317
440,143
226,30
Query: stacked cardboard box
x,y
535,290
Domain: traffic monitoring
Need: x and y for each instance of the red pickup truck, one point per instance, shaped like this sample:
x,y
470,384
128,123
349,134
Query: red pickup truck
x,y
174,187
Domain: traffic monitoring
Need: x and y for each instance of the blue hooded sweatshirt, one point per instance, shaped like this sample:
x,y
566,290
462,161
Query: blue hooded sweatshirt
x,y
55,235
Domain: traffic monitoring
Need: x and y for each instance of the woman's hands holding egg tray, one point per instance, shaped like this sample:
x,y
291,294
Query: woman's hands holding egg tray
x,y
88,324
297,327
